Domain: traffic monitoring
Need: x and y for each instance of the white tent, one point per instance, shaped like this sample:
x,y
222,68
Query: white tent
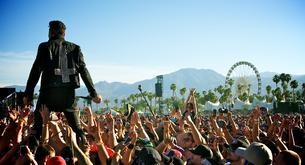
x,y
209,106
238,104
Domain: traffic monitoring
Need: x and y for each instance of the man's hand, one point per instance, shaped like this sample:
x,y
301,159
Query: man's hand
x,y
97,99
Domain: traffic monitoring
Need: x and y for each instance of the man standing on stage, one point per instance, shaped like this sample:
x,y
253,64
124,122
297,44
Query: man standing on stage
x,y
59,63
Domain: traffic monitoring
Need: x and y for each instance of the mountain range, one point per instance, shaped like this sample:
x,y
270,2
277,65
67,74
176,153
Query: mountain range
x,y
201,79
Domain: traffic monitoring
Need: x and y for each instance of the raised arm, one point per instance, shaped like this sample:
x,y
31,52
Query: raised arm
x,y
84,73
112,140
71,141
195,132
94,130
255,132
45,114
127,157
135,120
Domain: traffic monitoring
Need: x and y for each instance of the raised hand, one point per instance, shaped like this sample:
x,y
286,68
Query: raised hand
x,y
45,113
88,111
24,113
13,114
149,124
70,136
135,120
192,91
188,118
94,130
109,119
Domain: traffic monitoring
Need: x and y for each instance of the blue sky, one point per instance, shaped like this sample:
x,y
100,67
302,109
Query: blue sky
x,y
132,40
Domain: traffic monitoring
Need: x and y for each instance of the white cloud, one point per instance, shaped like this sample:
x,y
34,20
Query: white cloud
x,y
15,68
20,56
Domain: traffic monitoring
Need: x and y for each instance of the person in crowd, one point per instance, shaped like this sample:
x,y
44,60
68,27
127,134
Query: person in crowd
x,y
210,139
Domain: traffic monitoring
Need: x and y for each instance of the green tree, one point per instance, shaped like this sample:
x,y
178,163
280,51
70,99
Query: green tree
x,y
132,98
285,78
298,95
243,97
116,101
150,97
230,82
107,102
182,92
294,85
276,79
211,96
123,102
268,89
220,89
173,87
303,92
278,93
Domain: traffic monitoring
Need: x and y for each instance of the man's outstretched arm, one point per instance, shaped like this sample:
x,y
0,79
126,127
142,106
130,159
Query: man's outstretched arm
x,y
85,75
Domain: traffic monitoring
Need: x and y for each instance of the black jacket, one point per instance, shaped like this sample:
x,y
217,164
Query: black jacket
x,y
47,64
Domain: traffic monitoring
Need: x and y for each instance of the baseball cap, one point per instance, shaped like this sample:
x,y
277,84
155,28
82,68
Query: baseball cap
x,y
239,142
257,153
58,160
203,151
147,155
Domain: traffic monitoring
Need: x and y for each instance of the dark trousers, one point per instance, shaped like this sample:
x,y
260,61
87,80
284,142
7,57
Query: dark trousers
x,y
58,100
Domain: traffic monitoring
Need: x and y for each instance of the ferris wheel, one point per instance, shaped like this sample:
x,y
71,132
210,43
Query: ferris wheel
x,y
246,79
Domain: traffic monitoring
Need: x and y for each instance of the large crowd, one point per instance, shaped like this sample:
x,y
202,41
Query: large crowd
x,y
182,137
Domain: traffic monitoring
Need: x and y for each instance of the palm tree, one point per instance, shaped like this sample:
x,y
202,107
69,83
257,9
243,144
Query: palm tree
x,y
123,102
204,93
211,96
150,96
282,78
294,84
116,101
173,87
107,101
248,89
276,79
182,93
132,98
287,78
220,89
230,82
277,92
268,89
303,93
298,95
